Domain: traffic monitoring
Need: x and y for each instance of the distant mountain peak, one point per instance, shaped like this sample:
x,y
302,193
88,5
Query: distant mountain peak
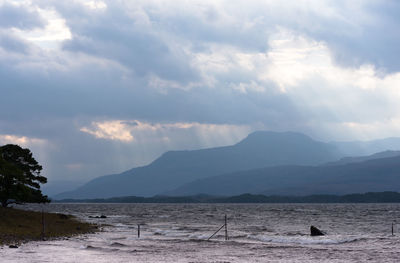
x,y
259,134
268,136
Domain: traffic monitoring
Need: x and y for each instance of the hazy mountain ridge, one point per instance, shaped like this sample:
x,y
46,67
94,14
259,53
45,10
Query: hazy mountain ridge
x,y
287,153
172,169
379,155
362,148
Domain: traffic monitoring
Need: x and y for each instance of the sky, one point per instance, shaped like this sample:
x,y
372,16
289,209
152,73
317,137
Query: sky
x,y
99,87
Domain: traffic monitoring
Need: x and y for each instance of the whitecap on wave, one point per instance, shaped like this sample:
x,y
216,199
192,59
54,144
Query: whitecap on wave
x,y
305,240
170,233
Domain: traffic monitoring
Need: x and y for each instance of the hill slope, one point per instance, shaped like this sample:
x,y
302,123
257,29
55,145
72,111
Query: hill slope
x,y
379,155
369,176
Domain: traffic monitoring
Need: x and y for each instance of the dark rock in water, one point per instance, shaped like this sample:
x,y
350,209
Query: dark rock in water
x,y
13,246
315,231
103,216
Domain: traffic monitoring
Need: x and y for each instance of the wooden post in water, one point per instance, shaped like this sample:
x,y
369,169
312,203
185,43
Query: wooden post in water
x,y
392,229
42,224
138,230
226,228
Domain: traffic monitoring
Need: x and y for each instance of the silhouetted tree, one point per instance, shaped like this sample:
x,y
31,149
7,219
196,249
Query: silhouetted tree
x,y
20,177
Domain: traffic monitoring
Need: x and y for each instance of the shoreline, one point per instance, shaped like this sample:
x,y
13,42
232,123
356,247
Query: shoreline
x,y
370,197
19,226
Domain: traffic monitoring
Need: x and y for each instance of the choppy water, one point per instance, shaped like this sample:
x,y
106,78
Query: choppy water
x,y
257,233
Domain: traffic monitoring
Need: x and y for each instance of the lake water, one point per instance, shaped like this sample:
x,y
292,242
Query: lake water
x,y
257,233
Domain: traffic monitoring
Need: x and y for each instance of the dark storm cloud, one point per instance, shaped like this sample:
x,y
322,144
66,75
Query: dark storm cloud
x,y
11,43
114,35
150,46
19,17
91,93
94,90
365,34
210,28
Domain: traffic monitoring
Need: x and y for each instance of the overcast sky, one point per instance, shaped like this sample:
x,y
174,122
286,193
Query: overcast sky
x,y
99,87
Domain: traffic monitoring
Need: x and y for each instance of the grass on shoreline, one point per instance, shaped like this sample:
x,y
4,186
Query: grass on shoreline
x,y
19,226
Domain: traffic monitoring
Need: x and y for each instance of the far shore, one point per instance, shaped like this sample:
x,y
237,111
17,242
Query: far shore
x,y
371,197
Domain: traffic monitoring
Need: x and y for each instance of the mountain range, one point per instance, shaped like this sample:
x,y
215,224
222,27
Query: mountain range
x,y
264,162
374,175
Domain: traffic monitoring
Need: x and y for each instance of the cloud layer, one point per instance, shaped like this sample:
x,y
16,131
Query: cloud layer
x,y
96,87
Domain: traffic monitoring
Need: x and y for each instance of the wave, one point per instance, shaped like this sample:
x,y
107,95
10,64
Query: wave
x,y
198,236
302,240
89,247
170,233
117,244
193,234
